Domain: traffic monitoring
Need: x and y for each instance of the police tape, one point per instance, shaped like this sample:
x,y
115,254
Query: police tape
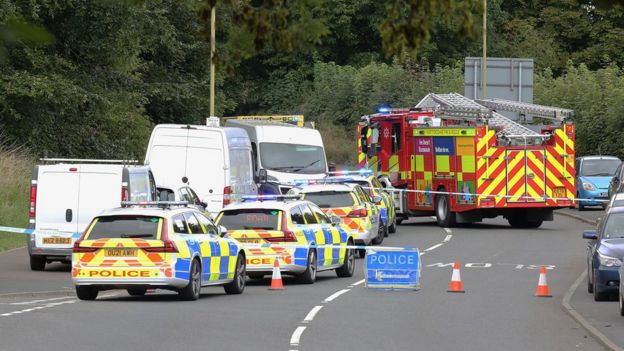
x,y
38,231
398,190
327,246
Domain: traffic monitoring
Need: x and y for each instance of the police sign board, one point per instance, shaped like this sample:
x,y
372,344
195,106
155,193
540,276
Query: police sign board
x,y
392,269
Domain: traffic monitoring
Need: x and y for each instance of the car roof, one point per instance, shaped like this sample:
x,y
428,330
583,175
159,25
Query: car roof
x,y
616,209
316,188
618,196
269,205
145,211
598,157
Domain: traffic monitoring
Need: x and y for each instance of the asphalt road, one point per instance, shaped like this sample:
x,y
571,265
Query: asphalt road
x,y
497,312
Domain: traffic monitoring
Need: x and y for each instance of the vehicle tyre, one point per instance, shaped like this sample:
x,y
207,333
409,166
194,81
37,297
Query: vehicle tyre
x,y
192,291
137,291
444,216
599,296
381,234
361,253
255,275
37,263
621,302
393,227
237,286
309,276
347,268
533,224
581,207
87,293
590,285
399,221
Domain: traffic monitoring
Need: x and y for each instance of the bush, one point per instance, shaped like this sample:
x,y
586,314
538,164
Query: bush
x,y
340,143
15,170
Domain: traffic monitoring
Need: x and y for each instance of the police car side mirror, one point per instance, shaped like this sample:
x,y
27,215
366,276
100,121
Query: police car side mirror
x,y
222,231
377,200
335,220
590,235
262,176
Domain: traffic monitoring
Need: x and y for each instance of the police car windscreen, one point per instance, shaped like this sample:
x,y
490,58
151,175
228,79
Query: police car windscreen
x,y
327,199
266,219
141,227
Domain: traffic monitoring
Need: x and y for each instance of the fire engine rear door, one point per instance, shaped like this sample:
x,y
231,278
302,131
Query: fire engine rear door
x,y
526,180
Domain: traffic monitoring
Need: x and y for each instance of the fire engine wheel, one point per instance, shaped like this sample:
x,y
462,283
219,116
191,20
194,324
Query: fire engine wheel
x,y
444,216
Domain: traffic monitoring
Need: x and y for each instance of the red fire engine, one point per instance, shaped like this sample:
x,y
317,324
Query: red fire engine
x,y
460,160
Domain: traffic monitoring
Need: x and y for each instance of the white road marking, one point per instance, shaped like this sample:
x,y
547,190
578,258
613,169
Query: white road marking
x,y
296,335
51,304
490,265
312,314
333,296
448,238
39,301
434,247
359,282
448,230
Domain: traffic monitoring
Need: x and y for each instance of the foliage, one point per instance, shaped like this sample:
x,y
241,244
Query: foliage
x,y
15,169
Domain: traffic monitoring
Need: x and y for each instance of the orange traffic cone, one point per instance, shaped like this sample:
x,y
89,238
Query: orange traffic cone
x,y
542,284
276,279
456,284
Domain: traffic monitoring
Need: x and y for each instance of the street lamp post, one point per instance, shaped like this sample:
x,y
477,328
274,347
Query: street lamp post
x,y
213,17
484,59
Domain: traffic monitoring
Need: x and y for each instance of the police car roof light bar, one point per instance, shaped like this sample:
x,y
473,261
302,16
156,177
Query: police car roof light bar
x,y
161,204
270,197
363,172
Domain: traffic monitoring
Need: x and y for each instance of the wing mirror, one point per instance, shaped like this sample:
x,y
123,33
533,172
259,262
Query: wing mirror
x,y
335,220
590,235
222,231
262,176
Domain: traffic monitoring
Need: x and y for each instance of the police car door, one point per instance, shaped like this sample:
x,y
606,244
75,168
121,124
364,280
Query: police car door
x,y
197,240
224,255
320,237
333,236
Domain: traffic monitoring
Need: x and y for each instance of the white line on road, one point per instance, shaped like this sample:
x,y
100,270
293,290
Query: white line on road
x,y
359,282
39,301
448,230
51,304
333,296
448,238
434,247
312,314
296,335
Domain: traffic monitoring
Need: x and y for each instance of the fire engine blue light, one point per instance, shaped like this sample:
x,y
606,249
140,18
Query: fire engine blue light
x,y
384,109
258,197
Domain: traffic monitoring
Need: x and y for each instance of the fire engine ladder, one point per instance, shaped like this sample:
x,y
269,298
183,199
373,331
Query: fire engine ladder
x,y
525,108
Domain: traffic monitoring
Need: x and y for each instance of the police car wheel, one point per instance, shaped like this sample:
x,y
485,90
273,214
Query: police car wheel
x,y
393,226
237,286
347,268
37,263
137,291
192,290
309,276
361,253
381,234
87,293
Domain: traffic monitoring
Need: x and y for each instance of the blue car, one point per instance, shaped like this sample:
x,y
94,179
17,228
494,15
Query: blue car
x,y
593,175
605,250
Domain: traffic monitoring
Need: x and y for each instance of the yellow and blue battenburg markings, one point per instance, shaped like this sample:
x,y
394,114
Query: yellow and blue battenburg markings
x,y
218,258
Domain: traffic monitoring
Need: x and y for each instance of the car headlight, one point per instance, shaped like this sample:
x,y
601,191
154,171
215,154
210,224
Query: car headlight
x,y
588,186
608,261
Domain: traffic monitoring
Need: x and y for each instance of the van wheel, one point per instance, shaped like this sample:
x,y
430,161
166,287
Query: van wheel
x,y
87,293
237,286
444,216
37,263
347,268
192,291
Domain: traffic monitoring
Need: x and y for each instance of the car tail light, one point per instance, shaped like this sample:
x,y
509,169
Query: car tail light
x,y
33,201
124,193
80,249
358,213
288,237
168,245
226,195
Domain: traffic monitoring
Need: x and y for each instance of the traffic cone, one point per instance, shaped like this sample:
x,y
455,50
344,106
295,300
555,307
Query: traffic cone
x,y
276,279
542,284
456,284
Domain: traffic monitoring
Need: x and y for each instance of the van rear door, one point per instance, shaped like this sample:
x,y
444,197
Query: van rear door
x,y
100,189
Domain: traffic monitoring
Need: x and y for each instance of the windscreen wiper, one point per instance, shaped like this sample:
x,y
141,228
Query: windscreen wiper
x,y
306,166
136,235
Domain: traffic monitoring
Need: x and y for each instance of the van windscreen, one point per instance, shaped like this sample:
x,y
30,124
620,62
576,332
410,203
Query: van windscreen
x,y
119,227
326,199
293,158
266,219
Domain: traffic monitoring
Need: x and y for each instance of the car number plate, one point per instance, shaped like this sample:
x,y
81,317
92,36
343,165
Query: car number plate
x,y
603,194
121,252
252,241
55,240
559,193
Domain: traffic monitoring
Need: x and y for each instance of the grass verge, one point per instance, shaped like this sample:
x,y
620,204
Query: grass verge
x,y
15,173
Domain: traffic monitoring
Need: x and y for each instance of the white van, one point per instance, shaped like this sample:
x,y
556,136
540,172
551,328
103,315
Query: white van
x,y
285,152
214,161
65,196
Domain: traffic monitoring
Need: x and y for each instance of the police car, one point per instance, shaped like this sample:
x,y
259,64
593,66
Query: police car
x,y
375,189
353,205
163,245
297,233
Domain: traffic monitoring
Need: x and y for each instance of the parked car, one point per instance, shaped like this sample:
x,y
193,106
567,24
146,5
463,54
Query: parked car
x,y
66,194
183,193
593,175
617,182
215,161
605,250
617,200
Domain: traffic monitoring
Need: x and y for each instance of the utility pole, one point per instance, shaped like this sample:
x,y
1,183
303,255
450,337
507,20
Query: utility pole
x,y
213,16
484,58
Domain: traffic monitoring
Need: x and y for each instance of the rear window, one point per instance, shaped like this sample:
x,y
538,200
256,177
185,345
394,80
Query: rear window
x,y
266,219
112,227
327,199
